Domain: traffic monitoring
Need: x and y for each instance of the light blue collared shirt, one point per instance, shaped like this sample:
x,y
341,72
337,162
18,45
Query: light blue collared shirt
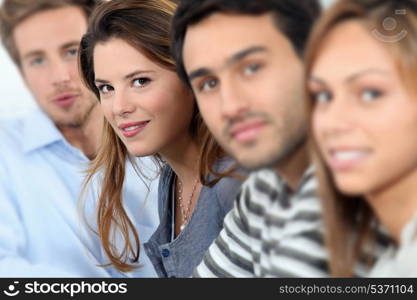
x,y
41,232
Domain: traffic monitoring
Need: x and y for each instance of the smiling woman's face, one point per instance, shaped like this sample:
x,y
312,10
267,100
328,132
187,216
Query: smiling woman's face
x,y
364,119
148,106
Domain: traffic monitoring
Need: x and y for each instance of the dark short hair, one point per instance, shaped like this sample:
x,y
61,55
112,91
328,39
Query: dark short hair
x,y
294,18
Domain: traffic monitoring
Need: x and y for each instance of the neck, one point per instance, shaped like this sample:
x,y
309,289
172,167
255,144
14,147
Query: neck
x,y
396,204
182,158
293,168
87,136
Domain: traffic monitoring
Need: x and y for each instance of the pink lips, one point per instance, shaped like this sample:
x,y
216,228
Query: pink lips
x,y
247,131
132,129
65,99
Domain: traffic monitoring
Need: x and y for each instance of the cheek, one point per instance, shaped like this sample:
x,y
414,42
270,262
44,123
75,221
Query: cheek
x,y
35,83
107,111
316,128
399,132
171,108
211,115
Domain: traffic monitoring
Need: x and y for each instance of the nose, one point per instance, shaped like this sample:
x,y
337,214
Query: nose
x,y
234,100
333,120
123,104
60,73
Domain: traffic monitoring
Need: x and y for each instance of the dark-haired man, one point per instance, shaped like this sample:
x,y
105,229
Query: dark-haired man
x,y
243,60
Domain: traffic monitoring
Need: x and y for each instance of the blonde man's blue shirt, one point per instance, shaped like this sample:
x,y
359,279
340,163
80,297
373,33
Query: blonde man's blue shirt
x,y
41,232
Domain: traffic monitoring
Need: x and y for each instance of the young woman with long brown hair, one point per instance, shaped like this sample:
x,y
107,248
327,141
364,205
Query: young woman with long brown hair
x,y
361,70
125,60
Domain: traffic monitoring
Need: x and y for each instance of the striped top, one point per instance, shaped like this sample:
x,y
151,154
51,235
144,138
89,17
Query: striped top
x,y
271,232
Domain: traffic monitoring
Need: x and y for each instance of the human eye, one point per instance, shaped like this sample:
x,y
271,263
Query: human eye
x,y
105,89
251,68
207,84
321,97
370,94
140,82
72,52
36,61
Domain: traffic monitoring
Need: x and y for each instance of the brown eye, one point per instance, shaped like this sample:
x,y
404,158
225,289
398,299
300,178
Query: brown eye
x,y
208,85
140,82
105,89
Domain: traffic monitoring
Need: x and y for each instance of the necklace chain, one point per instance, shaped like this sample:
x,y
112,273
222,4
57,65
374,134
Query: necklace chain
x,y
185,211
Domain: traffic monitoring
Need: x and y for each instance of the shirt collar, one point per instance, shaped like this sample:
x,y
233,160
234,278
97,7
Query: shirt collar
x,y
409,232
39,131
307,177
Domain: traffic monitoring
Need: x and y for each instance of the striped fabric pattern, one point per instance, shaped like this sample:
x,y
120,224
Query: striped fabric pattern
x,y
271,232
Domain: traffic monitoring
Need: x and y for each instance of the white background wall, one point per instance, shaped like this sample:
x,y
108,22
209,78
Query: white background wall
x,y
14,98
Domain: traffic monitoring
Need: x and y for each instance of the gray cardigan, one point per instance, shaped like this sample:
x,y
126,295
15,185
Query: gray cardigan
x,y
179,257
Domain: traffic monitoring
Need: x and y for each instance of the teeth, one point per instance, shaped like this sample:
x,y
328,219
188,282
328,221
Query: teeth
x,y
131,128
348,155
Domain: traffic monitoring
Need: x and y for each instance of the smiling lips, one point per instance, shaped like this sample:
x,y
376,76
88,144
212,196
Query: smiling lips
x,y
132,129
247,131
343,159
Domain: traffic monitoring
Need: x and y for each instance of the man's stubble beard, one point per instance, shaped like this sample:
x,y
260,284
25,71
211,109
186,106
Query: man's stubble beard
x,y
80,119
292,141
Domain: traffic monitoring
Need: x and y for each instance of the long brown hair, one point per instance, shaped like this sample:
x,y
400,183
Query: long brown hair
x,y
350,223
144,24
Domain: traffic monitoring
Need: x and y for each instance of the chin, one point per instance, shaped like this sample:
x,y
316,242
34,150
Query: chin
x,y
254,163
135,151
353,187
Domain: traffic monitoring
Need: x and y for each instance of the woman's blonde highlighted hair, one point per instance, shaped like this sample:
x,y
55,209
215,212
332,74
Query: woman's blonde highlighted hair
x,y
351,226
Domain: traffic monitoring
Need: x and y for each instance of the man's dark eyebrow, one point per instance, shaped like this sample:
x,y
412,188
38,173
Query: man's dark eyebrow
x,y
233,59
244,53
199,73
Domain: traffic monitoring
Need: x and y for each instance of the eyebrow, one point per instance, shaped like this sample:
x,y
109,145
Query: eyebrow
x,y
317,80
41,52
352,77
32,54
357,75
70,44
233,59
128,76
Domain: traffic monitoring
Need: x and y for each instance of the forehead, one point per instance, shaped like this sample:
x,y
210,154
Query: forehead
x,y
220,35
348,48
129,59
49,29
